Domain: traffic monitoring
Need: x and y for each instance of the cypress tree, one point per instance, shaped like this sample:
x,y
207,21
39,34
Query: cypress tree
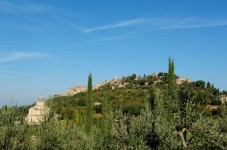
x,y
208,85
89,106
172,92
178,105
170,76
212,86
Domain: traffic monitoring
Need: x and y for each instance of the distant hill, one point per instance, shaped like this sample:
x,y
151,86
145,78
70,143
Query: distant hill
x,y
126,82
129,94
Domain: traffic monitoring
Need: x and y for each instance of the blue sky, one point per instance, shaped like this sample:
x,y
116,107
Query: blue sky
x,y
49,46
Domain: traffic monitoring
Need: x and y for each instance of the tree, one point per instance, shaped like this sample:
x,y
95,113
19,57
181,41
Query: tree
x,y
172,92
212,86
133,77
177,106
208,85
216,92
160,74
171,77
89,105
200,84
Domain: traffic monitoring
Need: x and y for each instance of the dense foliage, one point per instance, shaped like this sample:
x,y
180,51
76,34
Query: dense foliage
x,y
149,112
153,128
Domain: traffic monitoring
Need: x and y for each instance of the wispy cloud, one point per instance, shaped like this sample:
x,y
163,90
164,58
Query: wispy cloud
x,y
162,24
116,25
24,7
6,72
114,38
73,25
29,15
185,23
147,25
30,75
21,55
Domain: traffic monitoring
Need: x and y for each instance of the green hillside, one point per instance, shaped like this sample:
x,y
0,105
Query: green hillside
x,y
158,111
131,97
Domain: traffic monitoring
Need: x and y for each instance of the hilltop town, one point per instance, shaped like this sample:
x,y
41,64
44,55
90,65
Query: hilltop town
x,y
128,93
124,83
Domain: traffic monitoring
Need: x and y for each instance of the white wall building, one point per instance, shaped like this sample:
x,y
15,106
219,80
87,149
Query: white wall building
x,y
37,113
223,99
181,80
75,90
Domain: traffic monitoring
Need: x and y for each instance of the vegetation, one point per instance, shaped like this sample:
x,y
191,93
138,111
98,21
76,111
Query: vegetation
x,y
172,91
149,112
89,105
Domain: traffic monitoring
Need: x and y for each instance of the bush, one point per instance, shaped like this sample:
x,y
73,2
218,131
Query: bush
x,y
81,102
216,102
200,84
217,112
13,129
98,109
150,81
133,109
160,74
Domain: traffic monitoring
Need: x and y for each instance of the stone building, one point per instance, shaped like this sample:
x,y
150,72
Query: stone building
x,y
181,80
37,113
75,90
223,99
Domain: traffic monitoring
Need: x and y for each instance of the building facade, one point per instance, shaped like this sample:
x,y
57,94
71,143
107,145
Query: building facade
x,y
75,90
37,113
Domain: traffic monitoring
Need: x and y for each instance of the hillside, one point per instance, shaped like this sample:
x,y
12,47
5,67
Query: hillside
x,y
130,94
158,111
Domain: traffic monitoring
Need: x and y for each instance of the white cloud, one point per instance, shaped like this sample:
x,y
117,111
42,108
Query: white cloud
x,y
73,25
21,55
23,7
185,23
14,73
113,38
116,25
154,24
151,24
9,73
147,24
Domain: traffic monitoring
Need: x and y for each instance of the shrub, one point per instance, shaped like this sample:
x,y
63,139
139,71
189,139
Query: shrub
x,y
81,102
217,112
160,74
13,129
133,109
216,102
